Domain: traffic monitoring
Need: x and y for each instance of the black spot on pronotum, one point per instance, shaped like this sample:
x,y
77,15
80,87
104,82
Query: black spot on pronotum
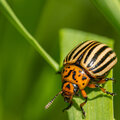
x,y
83,78
74,73
78,75
68,86
68,74
83,84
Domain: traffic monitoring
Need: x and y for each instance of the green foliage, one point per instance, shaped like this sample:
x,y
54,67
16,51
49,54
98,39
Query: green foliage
x,y
111,10
5,8
99,105
26,80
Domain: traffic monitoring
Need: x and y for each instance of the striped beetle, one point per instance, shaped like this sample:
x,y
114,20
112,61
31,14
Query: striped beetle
x,y
86,65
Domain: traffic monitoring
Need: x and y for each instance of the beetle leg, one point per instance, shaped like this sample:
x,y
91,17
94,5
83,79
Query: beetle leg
x,y
58,72
105,80
82,104
102,89
69,106
77,94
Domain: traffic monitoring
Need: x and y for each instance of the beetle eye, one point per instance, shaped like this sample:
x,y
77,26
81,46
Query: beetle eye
x,y
76,88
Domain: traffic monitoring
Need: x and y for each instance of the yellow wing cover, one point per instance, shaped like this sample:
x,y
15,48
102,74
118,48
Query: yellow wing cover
x,y
95,57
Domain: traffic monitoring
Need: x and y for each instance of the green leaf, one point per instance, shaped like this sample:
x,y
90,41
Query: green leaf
x,y
111,10
99,105
8,12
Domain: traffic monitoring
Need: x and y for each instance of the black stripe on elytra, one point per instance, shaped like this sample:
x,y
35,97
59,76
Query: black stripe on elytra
x,y
90,51
81,56
103,75
82,49
96,56
74,73
79,59
102,60
104,66
68,74
75,50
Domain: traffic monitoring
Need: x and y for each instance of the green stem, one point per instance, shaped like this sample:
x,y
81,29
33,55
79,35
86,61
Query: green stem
x,y
111,10
6,9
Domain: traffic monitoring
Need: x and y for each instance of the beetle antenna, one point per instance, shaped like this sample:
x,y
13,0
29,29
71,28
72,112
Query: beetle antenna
x,y
48,105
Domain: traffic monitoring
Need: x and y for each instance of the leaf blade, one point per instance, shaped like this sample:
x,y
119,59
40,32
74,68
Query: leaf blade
x,y
99,106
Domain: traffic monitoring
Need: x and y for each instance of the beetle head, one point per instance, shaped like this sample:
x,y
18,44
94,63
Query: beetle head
x,y
68,91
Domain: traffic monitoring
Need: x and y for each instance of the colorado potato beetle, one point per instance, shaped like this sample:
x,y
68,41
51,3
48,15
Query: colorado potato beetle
x,y
86,65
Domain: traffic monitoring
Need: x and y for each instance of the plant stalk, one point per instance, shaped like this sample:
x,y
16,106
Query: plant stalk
x,y
8,12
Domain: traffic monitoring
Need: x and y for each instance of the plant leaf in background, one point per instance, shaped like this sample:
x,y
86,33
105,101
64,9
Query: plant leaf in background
x,y
27,82
99,105
8,12
111,10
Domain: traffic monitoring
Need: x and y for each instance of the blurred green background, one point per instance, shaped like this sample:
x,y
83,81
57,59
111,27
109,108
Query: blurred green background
x,y
27,82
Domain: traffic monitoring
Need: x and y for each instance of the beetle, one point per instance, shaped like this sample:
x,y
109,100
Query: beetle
x,y
87,64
